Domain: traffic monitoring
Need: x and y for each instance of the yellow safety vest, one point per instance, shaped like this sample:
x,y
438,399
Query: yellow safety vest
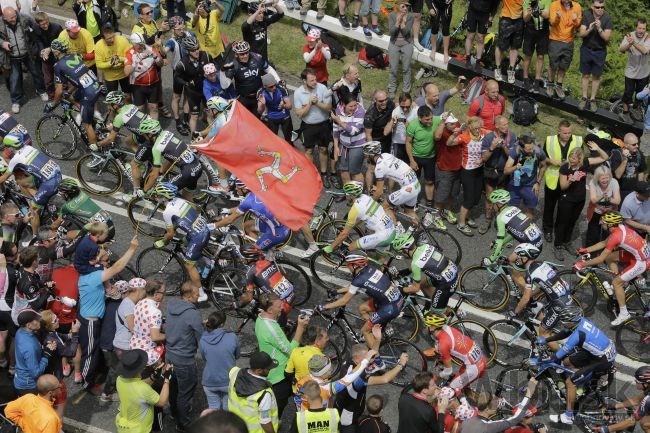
x,y
326,421
247,407
553,150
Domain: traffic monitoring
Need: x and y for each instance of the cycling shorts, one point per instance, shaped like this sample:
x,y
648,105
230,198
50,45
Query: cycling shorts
x,y
442,293
634,267
267,239
589,366
146,94
86,104
441,19
379,240
385,313
468,374
46,190
195,245
188,178
406,196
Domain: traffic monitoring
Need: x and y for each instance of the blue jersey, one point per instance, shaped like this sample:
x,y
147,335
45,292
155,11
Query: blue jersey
x,y
35,163
588,337
265,219
213,88
375,284
180,213
72,69
10,126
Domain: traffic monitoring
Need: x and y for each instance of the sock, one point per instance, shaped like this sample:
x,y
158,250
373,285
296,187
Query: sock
x,y
569,413
623,311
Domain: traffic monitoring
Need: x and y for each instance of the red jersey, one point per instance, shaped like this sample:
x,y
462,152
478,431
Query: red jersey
x,y
318,64
630,241
448,158
146,71
453,344
472,148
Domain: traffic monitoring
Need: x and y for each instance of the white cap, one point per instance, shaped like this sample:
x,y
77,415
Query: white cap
x,y
451,119
137,38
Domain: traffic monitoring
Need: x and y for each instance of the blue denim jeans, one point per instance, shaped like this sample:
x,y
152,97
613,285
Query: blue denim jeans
x,y
217,397
16,77
181,391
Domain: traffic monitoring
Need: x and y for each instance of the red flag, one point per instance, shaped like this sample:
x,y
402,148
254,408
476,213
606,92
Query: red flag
x,y
284,179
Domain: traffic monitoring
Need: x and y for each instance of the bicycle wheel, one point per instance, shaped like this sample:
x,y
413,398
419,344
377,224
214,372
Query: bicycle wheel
x,y
390,351
162,264
298,278
636,305
488,292
103,178
332,351
225,288
583,290
407,324
335,332
592,410
512,342
512,383
331,229
329,270
56,137
633,339
479,333
443,240
246,337
146,218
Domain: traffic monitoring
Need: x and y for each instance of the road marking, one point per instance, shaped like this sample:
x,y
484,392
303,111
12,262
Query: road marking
x,y
83,426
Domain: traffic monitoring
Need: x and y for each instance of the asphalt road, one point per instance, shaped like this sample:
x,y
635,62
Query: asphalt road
x,y
86,412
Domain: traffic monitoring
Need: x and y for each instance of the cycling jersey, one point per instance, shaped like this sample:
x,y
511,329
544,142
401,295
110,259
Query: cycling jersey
x,y
366,209
180,213
377,285
545,276
84,208
393,168
189,71
248,76
512,222
442,273
590,338
266,276
130,117
9,125
643,409
267,222
452,343
626,239
30,293
72,69
172,149
35,163
328,389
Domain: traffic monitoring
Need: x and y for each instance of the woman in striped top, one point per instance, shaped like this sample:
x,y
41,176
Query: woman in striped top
x,y
349,136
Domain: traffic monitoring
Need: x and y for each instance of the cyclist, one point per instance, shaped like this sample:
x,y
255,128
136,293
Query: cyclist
x,y
396,170
365,209
10,126
175,47
451,343
77,203
124,115
590,352
219,108
641,401
70,68
179,213
633,250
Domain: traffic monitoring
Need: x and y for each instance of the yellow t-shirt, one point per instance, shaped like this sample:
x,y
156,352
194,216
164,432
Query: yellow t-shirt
x,y
81,45
104,54
298,361
208,33
91,23
147,30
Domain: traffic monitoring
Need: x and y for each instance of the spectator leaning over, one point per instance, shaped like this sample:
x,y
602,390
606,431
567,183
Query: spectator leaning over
x,y
644,96
314,341
316,53
565,17
556,148
536,30
33,412
89,16
435,100
489,105
44,33
595,31
448,165
604,196
370,7
342,4
31,358
110,56
400,117
511,35
349,137
628,164
318,418
479,18
350,80
525,166
274,105
220,350
400,46
205,24
421,151
373,422
147,322
255,28
81,43
637,70
415,409
16,41
141,65
636,209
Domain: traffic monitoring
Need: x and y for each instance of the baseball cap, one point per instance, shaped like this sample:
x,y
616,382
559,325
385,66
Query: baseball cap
x,y
262,360
137,38
313,35
642,188
26,316
72,25
268,80
451,119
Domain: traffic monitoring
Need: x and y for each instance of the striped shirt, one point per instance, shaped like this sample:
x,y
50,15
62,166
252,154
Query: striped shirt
x,y
353,134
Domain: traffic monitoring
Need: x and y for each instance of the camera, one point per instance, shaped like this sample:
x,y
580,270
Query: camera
x,y
537,426
534,6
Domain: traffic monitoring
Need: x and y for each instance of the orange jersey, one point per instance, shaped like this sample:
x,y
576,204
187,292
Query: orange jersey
x,y
564,25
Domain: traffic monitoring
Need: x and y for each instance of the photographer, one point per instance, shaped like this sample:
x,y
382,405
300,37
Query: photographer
x,y
255,29
628,164
526,425
536,31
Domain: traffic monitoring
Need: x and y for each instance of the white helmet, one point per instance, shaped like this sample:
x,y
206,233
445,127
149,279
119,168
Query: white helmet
x,y
209,69
137,38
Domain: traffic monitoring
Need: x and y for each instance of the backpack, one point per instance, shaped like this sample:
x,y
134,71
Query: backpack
x,y
474,89
336,48
373,57
524,110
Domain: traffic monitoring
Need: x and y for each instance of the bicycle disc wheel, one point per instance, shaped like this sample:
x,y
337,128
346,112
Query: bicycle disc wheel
x,y
390,351
225,288
582,290
103,177
443,240
479,333
407,324
146,218
164,265
488,292
633,339
512,346
298,278
56,137
329,270
512,383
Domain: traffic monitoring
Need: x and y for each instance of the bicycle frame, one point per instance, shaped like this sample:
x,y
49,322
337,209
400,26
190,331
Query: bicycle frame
x,y
317,221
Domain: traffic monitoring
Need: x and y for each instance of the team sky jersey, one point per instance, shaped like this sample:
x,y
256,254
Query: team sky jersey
x,y
544,275
327,389
629,240
248,76
181,214
434,264
172,149
643,409
83,207
512,222
9,125
453,344
130,117
375,284
264,216
590,338
72,69
266,276
395,169
366,209
35,163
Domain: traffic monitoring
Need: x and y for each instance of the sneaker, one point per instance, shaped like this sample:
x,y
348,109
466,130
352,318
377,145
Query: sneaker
x,y
15,108
548,237
430,72
219,188
67,370
417,45
109,397
303,12
471,223
559,91
562,418
309,251
583,103
294,136
497,74
182,128
511,76
95,162
537,88
335,182
449,216
377,31
326,181
558,253
344,22
202,295
485,227
367,32
621,318
44,97
355,21
320,14
464,229
437,221
419,74
550,89
625,117
593,105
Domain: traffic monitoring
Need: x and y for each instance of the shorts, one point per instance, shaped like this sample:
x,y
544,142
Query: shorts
x,y
188,178
194,100
592,62
145,94
46,190
588,365
560,54
62,396
370,6
447,185
87,105
351,159
523,193
442,18
317,134
385,313
268,239
177,87
417,6
535,41
634,268
429,167
477,22
472,182
442,293
195,245
468,374
406,196
123,84
511,33
379,240
6,323
632,87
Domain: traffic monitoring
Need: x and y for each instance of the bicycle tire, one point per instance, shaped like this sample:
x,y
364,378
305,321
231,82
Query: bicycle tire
x,y
407,324
583,291
512,383
508,351
298,278
146,218
331,229
225,288
155,263
486,295
246,337
635,305
477,332
633,339
442,240
335,331
332,351
592,410
390,351
69,147
103,180
329,274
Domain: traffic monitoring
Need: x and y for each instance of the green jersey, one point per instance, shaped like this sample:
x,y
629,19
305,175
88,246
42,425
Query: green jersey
x,y
434,264
130,117
172,149
85,209
512,223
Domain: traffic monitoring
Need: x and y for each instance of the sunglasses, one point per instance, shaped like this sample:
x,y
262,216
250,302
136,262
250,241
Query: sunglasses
x,y
147,13
18,214
381,101
599,7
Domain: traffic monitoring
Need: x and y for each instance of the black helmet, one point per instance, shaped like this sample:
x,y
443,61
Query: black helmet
x,y
252,252
642,374
568,314
190,42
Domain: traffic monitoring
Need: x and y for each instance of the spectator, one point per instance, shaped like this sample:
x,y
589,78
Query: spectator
x,y
644,96
415,410
313,103
273,341
448,166
31,358
205,24
316,54
479,18
147,26
374,123
342,16
349,137
350,80
147,322
440,14
250,395
373,422
525,166
400,46
318,418
174,46
604,195
81,43
10,217
637,70
435,100
556,149
536,29
511,35
34,413
212,85
115,292
218,421
88,248
220,350
636,209
30,291
141,65
400,117
526,423
255,28
314,341
488,106
370,7
565,17
44,33
16,41
274,100
628,164
8,253
89,16
189,73
110,57
321,6
140,13
595,31
420,149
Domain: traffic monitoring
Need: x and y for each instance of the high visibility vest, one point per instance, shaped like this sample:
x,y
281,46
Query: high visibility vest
x,y
553,150
247,407
326,421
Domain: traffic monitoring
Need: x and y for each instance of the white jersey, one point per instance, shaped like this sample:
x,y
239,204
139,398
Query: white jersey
x,y
366,209
395,169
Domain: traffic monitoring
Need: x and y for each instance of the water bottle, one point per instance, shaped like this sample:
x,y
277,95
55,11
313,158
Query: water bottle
x,y
608,288
207,268
315,222
516,177
77,118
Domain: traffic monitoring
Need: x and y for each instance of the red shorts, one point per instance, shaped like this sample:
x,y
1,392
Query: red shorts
x,y
468,374
62,396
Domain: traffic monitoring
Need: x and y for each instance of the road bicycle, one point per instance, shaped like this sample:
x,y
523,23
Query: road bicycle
x,y
424,233
633,337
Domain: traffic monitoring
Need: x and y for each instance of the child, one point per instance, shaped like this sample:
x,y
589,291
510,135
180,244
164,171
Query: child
x,y
373,423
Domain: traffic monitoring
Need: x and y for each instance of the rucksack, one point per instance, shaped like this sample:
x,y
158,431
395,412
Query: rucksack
x,y
474,89
524,110
373,57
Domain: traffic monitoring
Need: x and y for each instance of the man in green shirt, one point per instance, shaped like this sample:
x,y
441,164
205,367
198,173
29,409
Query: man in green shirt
x,y
420,148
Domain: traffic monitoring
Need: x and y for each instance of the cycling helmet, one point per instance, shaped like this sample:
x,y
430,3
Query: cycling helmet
x,y
115,97
176,21
642,374
13,140
150,126
137,283
567,313
464,412
240,47
253,7
527,250
252,253
500,196
190,43
217,103
69,187
209,69
60,45
353,187
165,190
356,257
403,241
372,148
612,217
433,319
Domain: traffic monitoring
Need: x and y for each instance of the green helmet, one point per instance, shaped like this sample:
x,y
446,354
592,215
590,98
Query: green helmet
x,y
69,187
165,190
403,241
13,140
500,196
61,45
150,126
353,187
115,97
